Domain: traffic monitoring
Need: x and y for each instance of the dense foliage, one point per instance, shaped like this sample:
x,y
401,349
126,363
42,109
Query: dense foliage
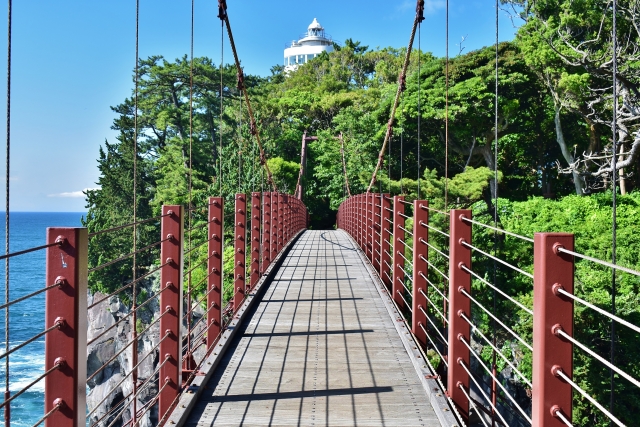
x,y
553,106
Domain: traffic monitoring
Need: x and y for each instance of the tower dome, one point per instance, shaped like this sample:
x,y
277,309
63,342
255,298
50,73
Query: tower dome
x,y
308,46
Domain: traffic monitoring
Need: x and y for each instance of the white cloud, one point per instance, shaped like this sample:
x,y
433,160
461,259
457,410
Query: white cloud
x,y
72,194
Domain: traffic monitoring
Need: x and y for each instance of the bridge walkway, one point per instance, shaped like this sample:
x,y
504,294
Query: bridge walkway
x,y
319,349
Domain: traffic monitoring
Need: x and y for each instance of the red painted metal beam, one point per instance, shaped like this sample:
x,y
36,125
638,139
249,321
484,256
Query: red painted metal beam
x,y
385,259
398,249
214,283
420,269
255,240
551,311
266,231
459,281
240,246
172,226
66,346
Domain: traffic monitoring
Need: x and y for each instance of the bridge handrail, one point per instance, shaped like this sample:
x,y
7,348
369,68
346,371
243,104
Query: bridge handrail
x,y
377,224
269,223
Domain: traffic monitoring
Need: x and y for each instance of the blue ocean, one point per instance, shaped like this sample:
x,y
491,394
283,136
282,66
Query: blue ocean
x,y
27,274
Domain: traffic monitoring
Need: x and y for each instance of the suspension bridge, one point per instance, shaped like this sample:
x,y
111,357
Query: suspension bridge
x,y
372,323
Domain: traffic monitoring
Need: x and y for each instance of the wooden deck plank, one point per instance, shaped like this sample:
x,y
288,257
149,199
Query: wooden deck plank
x,y
320,349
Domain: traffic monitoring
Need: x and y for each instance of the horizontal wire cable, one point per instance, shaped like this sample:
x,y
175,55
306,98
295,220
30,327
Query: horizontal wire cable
x,y
34,249
424,224
433,286
492,286
150,352
378,252
113,408
388,275
435,347
421,240
404,286
599,261
199,245
404,257
405,202
377,214
497,381
513,267
560,373
406,245
475,329
57,325
48,414
407,305
196,227
404,216
434,267
122,227
558,413
129,255
526,344
152,403
125,317
461,363
388,253
31,295
389,221
390,210
500,230
198,265
116,292
596,308
406,273
429,208
379,235
602,360
202,298
140,389
444,340
472,403
31,384
434,306
115,356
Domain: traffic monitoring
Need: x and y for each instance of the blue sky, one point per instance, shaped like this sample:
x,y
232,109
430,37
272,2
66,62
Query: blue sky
x,y
73,59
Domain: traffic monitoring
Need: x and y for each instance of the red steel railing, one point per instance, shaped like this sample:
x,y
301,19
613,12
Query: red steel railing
x,y
435,295
268,220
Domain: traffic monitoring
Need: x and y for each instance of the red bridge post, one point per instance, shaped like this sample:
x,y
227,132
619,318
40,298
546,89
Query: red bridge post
x,y
369,219
66,346
172,226
240,239
377,231
398,249
266,231
385,250
255,239
420,257
459,281
552,312
214,282
281,229
274,225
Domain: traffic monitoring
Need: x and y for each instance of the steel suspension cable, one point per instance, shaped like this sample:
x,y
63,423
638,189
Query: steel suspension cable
x,y
401,88
7,393
224,16
446,111
190,166
221,98
134,317
614,224
419,106
495,211
344,164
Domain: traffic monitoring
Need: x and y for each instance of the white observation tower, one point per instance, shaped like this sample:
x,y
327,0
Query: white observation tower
x,y
309,45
